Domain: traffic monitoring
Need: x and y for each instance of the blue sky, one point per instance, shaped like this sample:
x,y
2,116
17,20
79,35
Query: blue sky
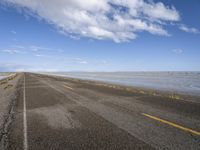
x,y
107,35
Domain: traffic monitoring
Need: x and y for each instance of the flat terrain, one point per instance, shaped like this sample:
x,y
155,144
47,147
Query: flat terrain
x,y
54,113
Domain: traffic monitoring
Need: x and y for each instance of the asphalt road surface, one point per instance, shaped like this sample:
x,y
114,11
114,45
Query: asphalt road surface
x,y
54,113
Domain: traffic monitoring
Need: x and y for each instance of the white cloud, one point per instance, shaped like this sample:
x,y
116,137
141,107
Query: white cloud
x,y
160,11
37,48
18,46
7,67
39,55
13,67
76,61
12,51
13,32
83,62
44,56
188,29
104,62
178,51
32,49
117,20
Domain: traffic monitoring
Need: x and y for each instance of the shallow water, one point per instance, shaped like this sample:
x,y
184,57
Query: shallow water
x,y
181,82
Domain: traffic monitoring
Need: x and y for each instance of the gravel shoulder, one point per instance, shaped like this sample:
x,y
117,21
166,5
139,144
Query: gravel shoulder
x,y
9,88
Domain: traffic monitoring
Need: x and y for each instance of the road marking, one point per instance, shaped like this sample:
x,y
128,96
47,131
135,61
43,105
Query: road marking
x,y
172,124
24,117
68,87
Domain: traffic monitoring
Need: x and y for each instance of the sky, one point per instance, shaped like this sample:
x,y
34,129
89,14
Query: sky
x,y
99,35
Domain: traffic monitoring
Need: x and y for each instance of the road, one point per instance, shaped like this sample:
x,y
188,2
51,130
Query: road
x,y
54,113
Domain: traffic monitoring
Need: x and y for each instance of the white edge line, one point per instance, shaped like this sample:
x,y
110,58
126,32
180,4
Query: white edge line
x,y
24,118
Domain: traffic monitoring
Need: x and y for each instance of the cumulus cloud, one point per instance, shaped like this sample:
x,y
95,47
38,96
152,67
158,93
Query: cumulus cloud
x,y
117,20
188,29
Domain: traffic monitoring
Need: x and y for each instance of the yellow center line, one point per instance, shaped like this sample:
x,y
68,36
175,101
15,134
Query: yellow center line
x,y
68,87
172,124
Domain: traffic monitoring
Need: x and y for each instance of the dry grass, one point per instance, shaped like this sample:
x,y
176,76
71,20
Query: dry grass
x,y
8,86
175,97
3,82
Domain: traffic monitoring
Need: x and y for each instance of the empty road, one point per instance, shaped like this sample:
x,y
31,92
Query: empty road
x,y
54,113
